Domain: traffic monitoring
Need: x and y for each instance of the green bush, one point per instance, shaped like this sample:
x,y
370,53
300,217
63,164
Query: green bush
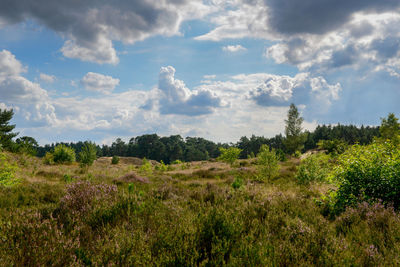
x,y
88,154
368,173
268,163
229,155
314,168
115,160
334,147
146,167
61,154
7,172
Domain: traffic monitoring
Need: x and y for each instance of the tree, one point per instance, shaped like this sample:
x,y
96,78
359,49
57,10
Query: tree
x,y
27,144
268,162
294,137
6,134
88,154
390,128
229,155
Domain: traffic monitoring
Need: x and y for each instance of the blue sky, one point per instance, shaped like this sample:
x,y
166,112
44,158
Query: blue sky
x,y
98,70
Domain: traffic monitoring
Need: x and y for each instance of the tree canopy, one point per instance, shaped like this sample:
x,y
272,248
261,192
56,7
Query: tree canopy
x,y
6,134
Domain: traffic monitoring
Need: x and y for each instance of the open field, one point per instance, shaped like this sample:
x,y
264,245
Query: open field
x,y
193,214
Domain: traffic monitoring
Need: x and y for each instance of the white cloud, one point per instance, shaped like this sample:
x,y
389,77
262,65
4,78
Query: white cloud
x,y
176,98
47,78
24,95
233,48
99,83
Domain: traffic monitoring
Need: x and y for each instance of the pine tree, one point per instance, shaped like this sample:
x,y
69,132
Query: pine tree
x,y
6,134
294,137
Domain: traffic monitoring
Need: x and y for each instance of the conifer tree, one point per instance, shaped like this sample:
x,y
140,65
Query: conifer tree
x,y
6,134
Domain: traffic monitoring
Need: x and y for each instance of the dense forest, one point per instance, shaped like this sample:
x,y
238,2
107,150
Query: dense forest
x,y
174,147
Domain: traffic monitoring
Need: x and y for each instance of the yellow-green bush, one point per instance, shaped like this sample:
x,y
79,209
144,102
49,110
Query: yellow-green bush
x,y
7,171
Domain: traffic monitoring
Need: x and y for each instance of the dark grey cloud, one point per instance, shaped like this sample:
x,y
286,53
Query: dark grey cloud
x,y
320,16
386,48
92,24
344,57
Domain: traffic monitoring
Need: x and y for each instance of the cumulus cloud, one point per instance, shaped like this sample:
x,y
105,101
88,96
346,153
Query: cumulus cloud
x,y
233,48
99,83
91,26
22,94
176,98
47,78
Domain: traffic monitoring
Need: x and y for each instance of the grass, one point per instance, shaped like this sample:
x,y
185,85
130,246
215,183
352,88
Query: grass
x,y
189,216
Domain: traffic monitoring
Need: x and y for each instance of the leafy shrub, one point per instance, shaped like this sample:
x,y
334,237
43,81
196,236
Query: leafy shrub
x,y
237,183
368,173
229,155
88,154
314,168
61,154
146,167
334,147
48,158
7,172
115,160
161,167
176,162
267,161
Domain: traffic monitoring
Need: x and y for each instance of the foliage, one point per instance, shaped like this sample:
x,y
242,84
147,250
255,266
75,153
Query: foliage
x,y
88,154
7,172
267,161
368,173
48,158
63,154
390,128
162,167
237,183
6,134
26,145
146,167
314,168
229,155
293,130
334,147
115,160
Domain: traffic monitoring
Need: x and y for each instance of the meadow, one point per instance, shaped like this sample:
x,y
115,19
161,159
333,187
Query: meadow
x,y
204,213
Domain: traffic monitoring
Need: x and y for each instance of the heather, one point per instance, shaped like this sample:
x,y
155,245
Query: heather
x,y
188,214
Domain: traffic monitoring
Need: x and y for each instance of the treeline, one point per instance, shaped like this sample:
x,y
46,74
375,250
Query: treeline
x,y
174,147
152,146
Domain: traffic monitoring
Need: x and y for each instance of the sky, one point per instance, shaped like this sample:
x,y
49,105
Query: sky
x,y
75,70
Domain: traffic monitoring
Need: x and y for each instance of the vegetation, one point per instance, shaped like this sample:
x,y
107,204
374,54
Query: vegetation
x,y
6,134
267,161
294,137
88,154
229,155
115,160
339,208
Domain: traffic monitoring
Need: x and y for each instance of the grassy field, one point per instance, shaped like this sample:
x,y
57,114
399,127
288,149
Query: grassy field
x,y
191,214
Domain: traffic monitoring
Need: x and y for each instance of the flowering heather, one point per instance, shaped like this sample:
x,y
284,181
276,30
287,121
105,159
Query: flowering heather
x,y
82,195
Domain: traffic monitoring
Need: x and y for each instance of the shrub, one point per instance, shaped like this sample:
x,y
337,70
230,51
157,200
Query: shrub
x,y
62,154
7,172
48,158
267,161
88,154
237,183
162,167
177,162
368,173
81,196
334,147
115,160
314,168
146,167
229,155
